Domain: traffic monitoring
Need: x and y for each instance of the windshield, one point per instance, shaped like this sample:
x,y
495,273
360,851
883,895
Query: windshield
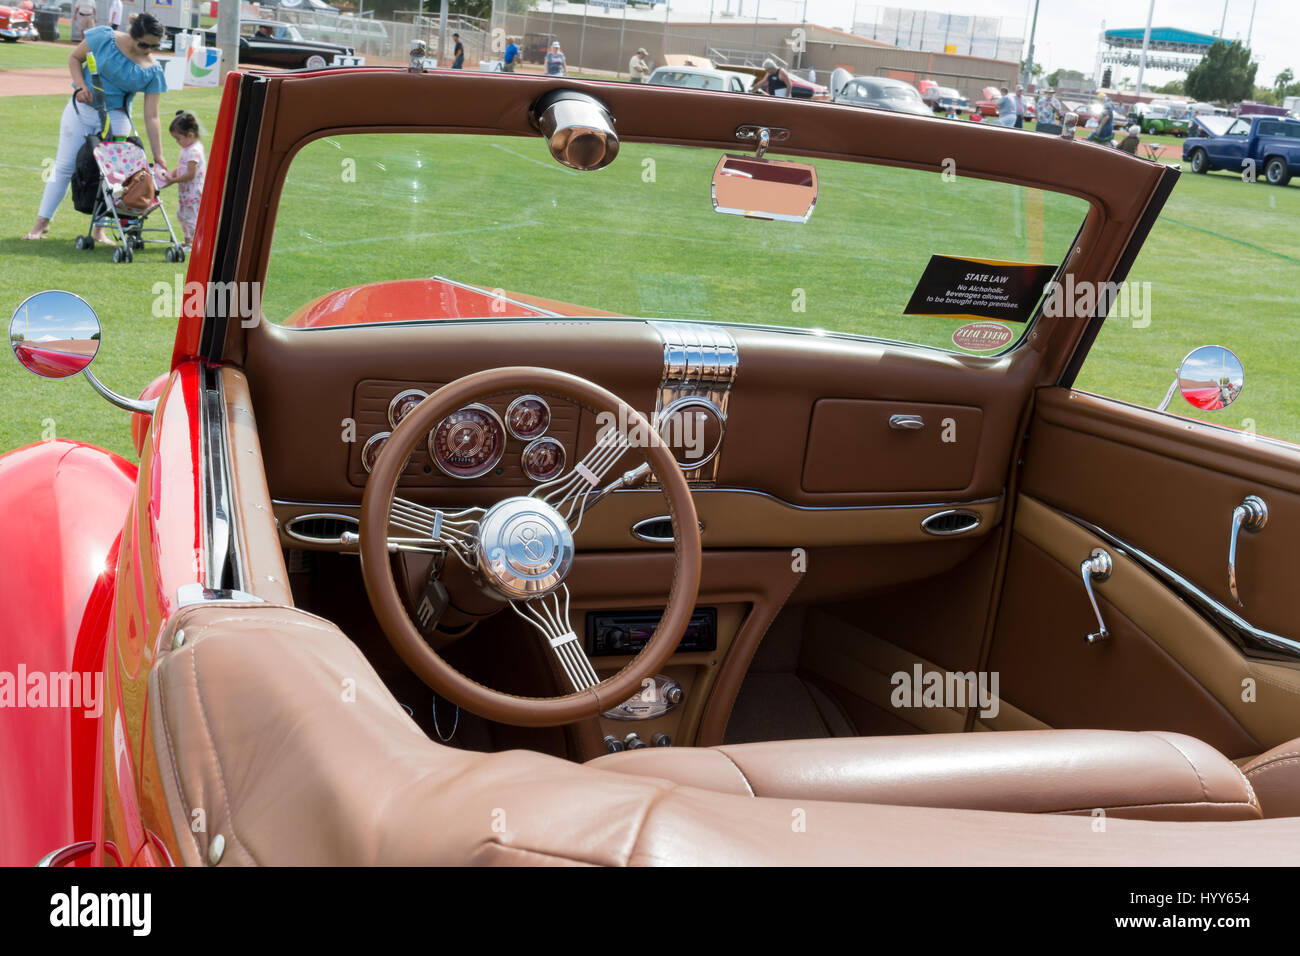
x,y
900,94
456,227
696,81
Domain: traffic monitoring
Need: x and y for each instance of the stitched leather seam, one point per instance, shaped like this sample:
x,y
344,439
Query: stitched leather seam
x,y
1196,770
216,759
1286,687
1273,765
748,786
640,824
1167,803
175,766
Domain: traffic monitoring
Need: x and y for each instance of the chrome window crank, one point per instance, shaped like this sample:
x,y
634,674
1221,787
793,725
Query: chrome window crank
x,y
1096,567
1251,514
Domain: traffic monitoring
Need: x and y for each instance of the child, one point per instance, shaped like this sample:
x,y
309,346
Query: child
x,y
188,174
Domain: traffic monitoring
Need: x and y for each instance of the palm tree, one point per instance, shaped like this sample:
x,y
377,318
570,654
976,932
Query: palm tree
x,y
1282,81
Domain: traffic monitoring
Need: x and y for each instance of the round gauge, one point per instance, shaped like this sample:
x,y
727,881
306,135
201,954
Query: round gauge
x,y
403,404
528,417
371,449
692,427
543,459
469,442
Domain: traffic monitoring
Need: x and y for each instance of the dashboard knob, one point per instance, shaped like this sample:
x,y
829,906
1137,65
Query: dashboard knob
x,y
673,693
661,739
633,742
612,744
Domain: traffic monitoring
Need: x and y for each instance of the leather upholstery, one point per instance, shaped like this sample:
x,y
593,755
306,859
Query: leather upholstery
x,y
1275,776
1148,776
272,721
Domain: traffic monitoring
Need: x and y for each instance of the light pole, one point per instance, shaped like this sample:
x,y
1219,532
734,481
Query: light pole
x,y
1146,42
1251,29
1029,60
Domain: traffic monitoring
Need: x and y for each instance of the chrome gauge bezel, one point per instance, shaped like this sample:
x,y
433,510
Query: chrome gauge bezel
x,y
544,440
392,406
529,398
677,405
432,445
365,449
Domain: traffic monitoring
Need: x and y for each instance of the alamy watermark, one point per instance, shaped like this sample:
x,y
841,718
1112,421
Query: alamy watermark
x,y
953,690
1123,300
224,300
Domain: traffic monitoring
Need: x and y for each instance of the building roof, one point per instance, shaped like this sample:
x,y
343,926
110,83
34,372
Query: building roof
x,y
1166,38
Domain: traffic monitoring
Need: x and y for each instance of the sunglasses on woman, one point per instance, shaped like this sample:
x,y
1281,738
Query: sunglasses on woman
x,y
148,46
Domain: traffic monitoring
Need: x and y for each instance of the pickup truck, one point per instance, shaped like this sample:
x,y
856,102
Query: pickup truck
x,y
1270,142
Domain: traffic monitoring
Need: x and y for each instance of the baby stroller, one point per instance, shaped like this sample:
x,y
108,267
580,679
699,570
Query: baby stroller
x,y
124,195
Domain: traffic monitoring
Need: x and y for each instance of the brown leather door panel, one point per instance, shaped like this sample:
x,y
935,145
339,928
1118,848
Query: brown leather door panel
x,y
1168,485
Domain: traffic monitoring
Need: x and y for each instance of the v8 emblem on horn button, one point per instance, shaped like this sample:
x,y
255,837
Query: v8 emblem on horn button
x,y
525,548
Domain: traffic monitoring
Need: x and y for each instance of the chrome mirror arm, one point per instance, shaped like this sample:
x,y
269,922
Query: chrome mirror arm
x,y
1169,395
142,406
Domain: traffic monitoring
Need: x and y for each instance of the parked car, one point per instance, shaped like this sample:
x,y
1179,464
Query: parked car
x,y
700,78
1268,144
393,491
878,92
1159,117
943,99
16,24
272,43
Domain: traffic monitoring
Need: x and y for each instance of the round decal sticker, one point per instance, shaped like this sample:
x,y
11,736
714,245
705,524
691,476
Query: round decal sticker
x,y
981,336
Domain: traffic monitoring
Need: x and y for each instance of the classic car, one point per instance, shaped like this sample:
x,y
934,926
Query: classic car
x,y
943,99
1159,117
1267,144
879,92
701,78
16,24
713,487
271,43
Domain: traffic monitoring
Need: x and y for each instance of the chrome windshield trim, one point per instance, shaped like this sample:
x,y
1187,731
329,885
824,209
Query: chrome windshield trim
x,y
1250,640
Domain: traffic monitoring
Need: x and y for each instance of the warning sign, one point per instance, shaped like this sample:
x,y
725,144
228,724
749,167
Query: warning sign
x,y
979,289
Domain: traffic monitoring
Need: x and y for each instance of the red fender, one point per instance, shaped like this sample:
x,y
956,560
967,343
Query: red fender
x,y
63,505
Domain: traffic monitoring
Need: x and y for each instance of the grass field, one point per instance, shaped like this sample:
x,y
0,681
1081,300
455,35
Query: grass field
x,y
1223,261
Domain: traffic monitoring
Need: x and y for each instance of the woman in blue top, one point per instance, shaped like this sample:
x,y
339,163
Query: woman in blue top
x,y
126,67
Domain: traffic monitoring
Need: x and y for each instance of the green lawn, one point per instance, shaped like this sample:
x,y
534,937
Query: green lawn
x,y
1223,261
28,55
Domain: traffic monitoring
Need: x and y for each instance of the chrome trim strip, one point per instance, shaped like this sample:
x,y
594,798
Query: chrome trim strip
x,y
222,544
66,854
700,361
541,312
707,491
1251,640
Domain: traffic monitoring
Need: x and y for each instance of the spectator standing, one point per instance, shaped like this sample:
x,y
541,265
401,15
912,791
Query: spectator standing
x,y
511,57
115,13
457,53
637,67
555,61
1006,109
189,171
1020,106
83,18
1049,114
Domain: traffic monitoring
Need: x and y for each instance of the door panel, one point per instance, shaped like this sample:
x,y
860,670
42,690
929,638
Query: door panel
x,y
1156,492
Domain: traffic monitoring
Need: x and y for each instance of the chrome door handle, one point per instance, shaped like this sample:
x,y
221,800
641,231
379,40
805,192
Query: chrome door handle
x,y
1251,514
906,423
1096,567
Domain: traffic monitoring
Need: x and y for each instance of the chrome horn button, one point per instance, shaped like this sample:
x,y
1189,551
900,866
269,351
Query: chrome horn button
x,y
525,548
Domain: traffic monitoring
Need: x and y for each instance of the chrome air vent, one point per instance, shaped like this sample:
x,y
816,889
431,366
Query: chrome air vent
x,y
700,361
953,521
321,528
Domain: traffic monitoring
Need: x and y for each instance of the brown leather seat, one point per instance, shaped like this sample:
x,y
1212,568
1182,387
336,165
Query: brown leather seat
x,y
1275,777
273,723
1147,776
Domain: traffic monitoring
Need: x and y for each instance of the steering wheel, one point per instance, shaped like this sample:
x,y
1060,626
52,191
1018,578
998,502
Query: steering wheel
x,y
521,549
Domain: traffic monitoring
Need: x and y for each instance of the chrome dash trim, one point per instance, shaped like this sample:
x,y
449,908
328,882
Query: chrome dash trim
x,y
699,361
1250,640
221,544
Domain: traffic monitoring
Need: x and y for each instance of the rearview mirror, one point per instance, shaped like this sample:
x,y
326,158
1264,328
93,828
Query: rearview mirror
x,y
1210,378
54,334
764,188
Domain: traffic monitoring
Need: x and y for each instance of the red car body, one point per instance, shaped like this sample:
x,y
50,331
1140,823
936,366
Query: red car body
x,y
16,24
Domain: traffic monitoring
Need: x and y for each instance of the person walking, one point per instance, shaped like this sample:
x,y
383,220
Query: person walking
x,y
115,13
511,57
125,67
1006,109
637,67
457,53
555,61
1020,106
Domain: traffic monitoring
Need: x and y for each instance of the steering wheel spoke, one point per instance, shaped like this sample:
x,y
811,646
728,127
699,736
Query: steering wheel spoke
x,y
437,531
549,614
574,493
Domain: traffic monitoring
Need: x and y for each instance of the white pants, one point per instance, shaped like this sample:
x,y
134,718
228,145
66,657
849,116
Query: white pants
x,y
77,123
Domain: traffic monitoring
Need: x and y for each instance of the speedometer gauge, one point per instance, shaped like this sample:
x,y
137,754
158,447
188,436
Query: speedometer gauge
x,y
528,417
469,442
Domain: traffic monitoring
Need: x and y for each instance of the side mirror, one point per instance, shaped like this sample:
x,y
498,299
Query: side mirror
x,y
1210,378
54,334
